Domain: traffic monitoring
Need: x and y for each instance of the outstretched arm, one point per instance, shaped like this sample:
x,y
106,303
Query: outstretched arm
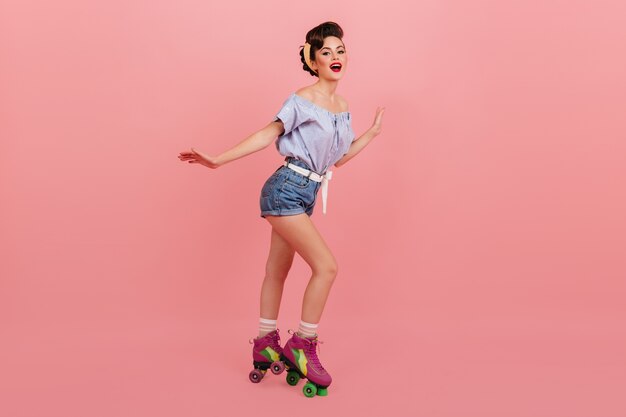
x,y
362,141
253,143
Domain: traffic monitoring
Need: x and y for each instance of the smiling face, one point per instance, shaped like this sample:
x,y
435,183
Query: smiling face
x,y
331,60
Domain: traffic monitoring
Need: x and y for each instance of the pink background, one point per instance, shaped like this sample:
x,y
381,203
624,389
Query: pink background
x,y
480,237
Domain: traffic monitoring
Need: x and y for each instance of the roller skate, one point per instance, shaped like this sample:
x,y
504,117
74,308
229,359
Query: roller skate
x,y
300,358
266,354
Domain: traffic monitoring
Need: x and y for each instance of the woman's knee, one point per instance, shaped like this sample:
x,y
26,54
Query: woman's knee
x,y
278,268
328,270
276,274
280,258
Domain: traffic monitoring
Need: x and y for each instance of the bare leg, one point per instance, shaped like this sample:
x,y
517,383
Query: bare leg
x,y
278,265
303,236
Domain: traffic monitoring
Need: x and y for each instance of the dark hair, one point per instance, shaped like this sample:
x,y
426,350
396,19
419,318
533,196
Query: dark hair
x,y
316,37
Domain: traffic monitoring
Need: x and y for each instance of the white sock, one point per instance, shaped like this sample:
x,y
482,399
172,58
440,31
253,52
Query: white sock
x,y
266,326
307,329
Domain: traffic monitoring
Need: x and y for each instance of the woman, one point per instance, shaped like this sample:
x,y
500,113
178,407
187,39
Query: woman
x,y
314,132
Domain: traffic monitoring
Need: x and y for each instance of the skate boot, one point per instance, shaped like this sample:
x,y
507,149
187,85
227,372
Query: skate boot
x,y
266,354
300,358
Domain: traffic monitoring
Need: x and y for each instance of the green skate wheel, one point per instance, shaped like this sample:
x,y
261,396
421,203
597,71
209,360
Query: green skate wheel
x,y
293,377
322,392
309,390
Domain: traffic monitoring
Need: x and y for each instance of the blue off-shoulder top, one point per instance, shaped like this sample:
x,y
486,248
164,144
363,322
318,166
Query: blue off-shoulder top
x,y
313,134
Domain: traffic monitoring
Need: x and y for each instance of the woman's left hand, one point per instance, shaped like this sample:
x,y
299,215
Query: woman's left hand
x,y
376,126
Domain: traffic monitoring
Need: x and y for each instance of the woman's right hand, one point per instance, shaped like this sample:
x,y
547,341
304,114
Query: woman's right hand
x,y
195,157
376,126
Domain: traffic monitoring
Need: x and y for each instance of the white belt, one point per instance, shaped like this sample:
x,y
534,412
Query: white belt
x,y
315,177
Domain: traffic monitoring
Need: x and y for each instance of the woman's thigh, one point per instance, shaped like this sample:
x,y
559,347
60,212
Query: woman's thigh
x,y
300,232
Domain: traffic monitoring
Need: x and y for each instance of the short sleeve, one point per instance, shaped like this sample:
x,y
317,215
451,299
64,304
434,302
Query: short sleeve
x,y
293,114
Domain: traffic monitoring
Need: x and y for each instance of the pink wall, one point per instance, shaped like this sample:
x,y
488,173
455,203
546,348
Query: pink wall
x,y
480,237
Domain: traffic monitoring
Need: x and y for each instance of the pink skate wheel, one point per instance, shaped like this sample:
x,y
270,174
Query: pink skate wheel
x,y
256,376
278,367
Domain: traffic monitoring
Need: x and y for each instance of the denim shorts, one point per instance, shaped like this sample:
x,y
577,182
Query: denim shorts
x,y
287,192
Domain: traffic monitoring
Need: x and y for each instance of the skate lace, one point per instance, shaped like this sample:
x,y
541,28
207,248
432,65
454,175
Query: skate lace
x,y
274,341
311,349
